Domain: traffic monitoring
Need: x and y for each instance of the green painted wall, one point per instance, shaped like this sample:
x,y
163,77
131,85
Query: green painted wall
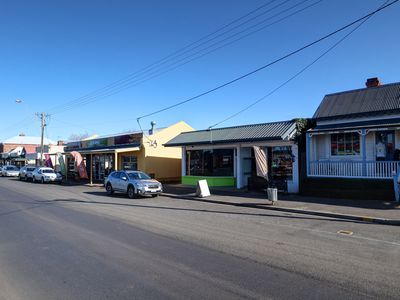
x,y
212,181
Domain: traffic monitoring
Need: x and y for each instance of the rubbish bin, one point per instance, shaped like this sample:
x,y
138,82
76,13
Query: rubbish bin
x,y
272,194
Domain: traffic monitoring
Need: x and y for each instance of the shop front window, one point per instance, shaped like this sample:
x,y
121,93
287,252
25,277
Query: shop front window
x,y
281,163
129,163
345,144
215,162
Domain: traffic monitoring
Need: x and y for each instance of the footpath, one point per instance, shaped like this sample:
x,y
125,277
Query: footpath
x,y
373,211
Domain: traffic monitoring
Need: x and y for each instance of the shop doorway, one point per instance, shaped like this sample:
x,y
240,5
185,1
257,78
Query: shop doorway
x,y
102,166
280,169
385,145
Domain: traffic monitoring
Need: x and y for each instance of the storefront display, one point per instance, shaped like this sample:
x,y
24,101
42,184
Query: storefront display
x,y
281,163
215,162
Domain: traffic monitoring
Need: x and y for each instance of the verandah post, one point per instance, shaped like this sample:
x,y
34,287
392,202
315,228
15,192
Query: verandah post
x,y
308,149
364,152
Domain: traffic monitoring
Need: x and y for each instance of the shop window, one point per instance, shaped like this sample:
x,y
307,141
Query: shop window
x,y
215,162
281,163
345,144
129,163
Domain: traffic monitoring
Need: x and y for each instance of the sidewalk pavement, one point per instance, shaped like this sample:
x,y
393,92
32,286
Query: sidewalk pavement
x,y
375,211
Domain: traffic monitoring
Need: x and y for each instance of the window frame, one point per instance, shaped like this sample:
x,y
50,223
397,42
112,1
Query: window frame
x,y
344,144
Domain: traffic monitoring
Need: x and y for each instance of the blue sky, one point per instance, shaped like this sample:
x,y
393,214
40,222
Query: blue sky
x,y
54,52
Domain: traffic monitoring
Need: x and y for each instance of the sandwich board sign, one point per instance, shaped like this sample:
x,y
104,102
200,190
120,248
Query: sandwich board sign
x,y
202,189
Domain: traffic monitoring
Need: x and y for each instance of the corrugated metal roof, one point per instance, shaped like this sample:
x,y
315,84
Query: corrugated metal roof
x,y
358,125
367,101
28,140
245,133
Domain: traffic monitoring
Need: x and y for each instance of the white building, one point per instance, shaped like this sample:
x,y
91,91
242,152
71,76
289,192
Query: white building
x,y
357,135
225,156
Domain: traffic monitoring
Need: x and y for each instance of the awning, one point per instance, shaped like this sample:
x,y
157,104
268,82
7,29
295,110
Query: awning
x,y
353,126
16,152
107,150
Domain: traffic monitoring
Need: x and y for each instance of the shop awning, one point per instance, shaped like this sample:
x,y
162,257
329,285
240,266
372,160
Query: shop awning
x,y
16,152
372,124
108,150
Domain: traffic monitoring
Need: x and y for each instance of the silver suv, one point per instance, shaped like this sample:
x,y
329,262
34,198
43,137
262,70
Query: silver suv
x,y
134,183
25,173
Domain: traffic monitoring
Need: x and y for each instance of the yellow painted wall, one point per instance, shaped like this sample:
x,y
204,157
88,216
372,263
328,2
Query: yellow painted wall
x,y
153,157
164,162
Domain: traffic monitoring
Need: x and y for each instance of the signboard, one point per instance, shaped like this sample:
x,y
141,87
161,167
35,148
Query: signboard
x,y
97,143
72,145
202,189
134,138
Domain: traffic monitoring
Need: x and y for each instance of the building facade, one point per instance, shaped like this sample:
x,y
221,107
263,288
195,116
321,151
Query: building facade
x,y
357,136
225,156
142,151
21,150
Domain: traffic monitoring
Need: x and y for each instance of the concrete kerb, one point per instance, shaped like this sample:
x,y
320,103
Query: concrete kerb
x,y
366,219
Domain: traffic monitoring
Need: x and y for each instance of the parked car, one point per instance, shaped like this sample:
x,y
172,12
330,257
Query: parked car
x,y
25,173
133,183
45,174
10,170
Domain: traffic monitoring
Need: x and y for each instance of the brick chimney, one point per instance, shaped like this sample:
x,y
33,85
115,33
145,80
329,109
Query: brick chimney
x,y
372,82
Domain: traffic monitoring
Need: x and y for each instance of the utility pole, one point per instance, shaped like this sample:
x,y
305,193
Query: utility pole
x,y
42,117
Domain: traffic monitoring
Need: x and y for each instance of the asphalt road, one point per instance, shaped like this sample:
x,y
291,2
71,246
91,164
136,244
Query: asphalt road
x,y
74,242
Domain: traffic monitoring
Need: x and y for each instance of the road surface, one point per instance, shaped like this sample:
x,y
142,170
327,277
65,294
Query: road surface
x,y
74,242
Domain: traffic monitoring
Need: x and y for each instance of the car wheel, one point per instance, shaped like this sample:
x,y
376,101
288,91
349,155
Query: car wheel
x,y
109,189
20,179
33,179
42,180
155,195
131,192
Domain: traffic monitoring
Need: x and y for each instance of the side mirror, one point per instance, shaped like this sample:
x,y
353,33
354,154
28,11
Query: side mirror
x,y
124,178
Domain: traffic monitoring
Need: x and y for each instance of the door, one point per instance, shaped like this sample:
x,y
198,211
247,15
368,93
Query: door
x,y
123,181
385,145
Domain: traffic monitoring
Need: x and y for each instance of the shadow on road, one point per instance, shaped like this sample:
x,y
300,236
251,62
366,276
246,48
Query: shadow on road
x,y
283,215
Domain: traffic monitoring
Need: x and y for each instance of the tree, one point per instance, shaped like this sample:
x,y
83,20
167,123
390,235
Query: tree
x,y
78,136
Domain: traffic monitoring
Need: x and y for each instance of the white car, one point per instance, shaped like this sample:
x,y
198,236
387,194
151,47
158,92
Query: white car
x,y
44,174
10,171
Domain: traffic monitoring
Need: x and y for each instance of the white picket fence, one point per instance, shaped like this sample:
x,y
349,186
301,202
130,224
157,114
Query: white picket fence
x,y
354,169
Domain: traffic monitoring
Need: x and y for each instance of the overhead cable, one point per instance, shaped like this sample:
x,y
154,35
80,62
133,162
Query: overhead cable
x,y
294,76
268,64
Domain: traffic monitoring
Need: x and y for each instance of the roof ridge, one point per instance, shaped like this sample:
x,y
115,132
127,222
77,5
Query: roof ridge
x,y
241,126
361,89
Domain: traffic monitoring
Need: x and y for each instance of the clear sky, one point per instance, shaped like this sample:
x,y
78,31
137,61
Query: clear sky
x,y
54,52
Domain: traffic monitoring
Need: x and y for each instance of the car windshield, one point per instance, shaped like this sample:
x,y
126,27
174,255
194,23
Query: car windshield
x,y
30,169
12,168
138,175
47,171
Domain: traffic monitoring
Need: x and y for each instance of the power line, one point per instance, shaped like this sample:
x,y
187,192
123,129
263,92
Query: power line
x,y
268,64
295,75
173,54
194,56
143,76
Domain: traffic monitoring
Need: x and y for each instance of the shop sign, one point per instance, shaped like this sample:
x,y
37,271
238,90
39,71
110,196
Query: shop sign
x,y
134,138
72,146
97,143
